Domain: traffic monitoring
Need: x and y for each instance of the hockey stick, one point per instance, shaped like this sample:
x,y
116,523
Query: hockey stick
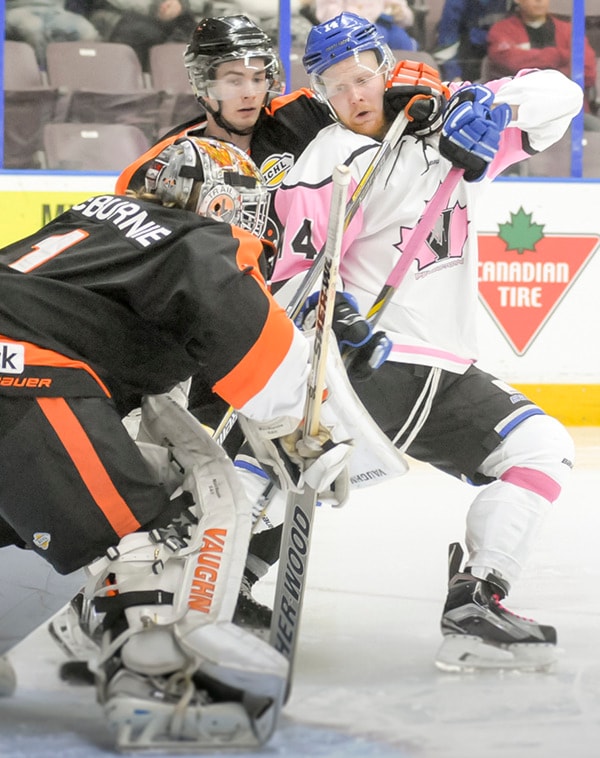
x,y
394,133
410,251
424,226
300,506
391,138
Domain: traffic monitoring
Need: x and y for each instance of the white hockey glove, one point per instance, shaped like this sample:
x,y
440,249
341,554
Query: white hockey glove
x,y
291,462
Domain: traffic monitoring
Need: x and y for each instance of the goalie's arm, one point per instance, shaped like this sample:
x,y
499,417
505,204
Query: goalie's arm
x,y
249,351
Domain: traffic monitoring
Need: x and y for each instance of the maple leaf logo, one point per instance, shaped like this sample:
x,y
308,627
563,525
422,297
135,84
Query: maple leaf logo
x,y
520,233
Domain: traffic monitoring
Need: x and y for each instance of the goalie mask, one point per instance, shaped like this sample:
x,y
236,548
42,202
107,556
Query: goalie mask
x,y
231,38
213,179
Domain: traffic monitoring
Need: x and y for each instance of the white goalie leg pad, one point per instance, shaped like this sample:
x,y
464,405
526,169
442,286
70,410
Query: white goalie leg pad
x,y
530,465
176,588
211,479
232,699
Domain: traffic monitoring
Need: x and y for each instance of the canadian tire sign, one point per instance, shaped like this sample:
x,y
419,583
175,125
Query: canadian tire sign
x,y
524,274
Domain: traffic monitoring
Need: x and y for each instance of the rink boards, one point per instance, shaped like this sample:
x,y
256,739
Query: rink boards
x,y
538,243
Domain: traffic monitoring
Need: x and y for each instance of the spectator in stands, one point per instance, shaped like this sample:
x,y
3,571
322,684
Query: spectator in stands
x,y
41,21
462,36
390,17
531,37
143,23
265,13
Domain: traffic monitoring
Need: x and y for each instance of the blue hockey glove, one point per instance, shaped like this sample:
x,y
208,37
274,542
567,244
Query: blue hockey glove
x,y
352,332
471,130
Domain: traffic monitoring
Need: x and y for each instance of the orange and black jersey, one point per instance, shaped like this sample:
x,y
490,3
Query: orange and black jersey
x,y
146,297
282,132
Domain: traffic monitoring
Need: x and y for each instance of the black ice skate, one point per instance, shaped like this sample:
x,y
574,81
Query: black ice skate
x,y
249,613
480,633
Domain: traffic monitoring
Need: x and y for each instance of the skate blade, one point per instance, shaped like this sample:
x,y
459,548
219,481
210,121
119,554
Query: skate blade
x,y
467,653
144,726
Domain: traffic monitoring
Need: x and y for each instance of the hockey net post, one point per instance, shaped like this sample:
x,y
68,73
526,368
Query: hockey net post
x,y
300,506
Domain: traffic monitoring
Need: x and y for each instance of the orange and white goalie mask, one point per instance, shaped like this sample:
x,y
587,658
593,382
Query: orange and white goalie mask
x,y
213,179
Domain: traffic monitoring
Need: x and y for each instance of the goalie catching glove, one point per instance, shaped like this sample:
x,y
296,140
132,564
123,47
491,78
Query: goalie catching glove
x,y
367,350
417,89
471,130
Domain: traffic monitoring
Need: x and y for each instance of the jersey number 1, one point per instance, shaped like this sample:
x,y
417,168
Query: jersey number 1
x,y
46,249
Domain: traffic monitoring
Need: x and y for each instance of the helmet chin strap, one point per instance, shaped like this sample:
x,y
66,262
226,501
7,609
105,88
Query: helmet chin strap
x,y
220,121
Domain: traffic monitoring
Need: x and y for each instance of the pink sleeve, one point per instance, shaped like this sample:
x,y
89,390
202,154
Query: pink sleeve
x,y
511,140
304,212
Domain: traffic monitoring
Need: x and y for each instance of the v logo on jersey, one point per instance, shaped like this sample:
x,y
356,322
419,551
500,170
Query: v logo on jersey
x,y
446,241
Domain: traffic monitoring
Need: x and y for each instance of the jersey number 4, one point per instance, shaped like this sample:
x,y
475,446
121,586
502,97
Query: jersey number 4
x,y
302,243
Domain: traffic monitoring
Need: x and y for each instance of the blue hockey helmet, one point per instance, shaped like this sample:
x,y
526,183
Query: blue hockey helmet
x,y
341,37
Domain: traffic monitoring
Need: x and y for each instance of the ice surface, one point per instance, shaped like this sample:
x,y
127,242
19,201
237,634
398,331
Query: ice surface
x,y
365,684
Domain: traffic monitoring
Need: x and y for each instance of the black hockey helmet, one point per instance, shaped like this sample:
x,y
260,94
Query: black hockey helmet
x,y
229,38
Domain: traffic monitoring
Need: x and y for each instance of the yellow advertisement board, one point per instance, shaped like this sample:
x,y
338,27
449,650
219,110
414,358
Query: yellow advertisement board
x,y
29,202
25,212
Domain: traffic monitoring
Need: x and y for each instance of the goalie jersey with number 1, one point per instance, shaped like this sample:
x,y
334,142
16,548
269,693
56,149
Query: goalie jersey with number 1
x,y
118,300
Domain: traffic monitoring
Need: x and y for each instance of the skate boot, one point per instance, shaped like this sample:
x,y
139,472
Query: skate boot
x,y
249,613
480,633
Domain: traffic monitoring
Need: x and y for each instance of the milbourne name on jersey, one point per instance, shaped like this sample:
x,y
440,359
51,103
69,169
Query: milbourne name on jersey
x,y
127,216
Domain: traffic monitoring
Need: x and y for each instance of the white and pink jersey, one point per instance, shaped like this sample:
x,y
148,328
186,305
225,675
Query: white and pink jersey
x,y
432,317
